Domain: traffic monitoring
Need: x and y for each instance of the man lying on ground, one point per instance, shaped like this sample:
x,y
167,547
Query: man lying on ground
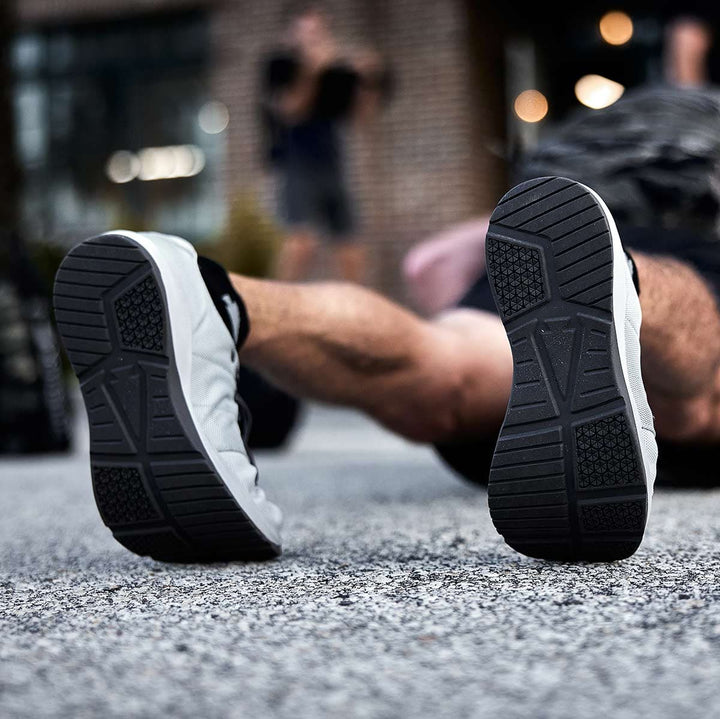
x,y
156,336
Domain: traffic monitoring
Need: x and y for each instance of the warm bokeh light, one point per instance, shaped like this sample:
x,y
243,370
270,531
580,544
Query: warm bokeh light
x,y
616,27
531,106
596,91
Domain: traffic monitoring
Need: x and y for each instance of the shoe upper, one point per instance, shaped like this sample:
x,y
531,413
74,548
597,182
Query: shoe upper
x,y
213,366
628,337
636,387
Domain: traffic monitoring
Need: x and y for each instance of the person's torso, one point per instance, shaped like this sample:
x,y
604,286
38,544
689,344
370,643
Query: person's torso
x,y
653,157
316,141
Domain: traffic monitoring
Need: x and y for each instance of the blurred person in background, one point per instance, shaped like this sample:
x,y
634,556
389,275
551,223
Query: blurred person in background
x,y
688,42
311,89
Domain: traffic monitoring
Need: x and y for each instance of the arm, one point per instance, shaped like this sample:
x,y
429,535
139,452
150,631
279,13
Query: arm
x,y
294,102
292,82
441,269
688,42
372,85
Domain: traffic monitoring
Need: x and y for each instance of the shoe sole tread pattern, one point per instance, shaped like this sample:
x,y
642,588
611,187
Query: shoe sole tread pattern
x,y
566,480
154,485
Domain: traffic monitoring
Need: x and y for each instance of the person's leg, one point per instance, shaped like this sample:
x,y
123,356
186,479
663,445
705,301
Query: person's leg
x,y
350,259
680,340
450,378
296,256
336,213
343,344
298,200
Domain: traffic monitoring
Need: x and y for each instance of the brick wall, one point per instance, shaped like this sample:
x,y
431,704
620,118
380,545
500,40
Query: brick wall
x,y
424,164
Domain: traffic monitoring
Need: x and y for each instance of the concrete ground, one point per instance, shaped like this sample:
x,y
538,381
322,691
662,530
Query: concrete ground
x,y
394,598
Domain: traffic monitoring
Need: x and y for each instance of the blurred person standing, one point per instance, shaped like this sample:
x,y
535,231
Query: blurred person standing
x,y
688,44
311,89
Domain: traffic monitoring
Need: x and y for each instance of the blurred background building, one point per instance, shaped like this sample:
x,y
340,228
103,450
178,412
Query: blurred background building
x,y
143,113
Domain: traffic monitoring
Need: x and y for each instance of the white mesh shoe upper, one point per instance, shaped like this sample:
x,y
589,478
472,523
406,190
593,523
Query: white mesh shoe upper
x,y
646,430
206,352
628,337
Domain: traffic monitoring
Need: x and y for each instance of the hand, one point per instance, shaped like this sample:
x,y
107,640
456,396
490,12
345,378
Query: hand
x,y
368,62
441,269
319,55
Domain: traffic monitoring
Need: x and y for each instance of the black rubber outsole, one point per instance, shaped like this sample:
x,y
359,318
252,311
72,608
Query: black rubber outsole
x,y
154,485
567,479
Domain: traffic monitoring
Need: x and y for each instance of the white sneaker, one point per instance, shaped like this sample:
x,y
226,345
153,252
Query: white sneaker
x,y
574,466
157,365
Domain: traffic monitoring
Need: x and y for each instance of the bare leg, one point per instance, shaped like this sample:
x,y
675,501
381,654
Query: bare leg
x,y
429,381
450,378
680,348
350,259
296,256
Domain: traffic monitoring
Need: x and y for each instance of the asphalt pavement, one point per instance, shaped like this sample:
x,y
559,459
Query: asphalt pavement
x,y
394,598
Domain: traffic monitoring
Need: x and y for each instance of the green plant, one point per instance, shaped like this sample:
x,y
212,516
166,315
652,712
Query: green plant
x,y
250,241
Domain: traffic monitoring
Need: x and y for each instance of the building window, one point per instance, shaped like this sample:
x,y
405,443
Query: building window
x,y
114,130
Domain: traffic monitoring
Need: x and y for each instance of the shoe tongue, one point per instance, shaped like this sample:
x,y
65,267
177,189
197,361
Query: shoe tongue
x,y
231,316
633,271
227,301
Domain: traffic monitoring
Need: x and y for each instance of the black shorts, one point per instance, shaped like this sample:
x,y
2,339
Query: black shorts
x,y
682,465
317,199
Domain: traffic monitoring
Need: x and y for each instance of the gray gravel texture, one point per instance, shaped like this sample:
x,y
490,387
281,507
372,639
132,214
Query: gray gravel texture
x,y
394,598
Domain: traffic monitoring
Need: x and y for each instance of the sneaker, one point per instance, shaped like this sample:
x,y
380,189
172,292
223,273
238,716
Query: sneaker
x,y
155,351
574,465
